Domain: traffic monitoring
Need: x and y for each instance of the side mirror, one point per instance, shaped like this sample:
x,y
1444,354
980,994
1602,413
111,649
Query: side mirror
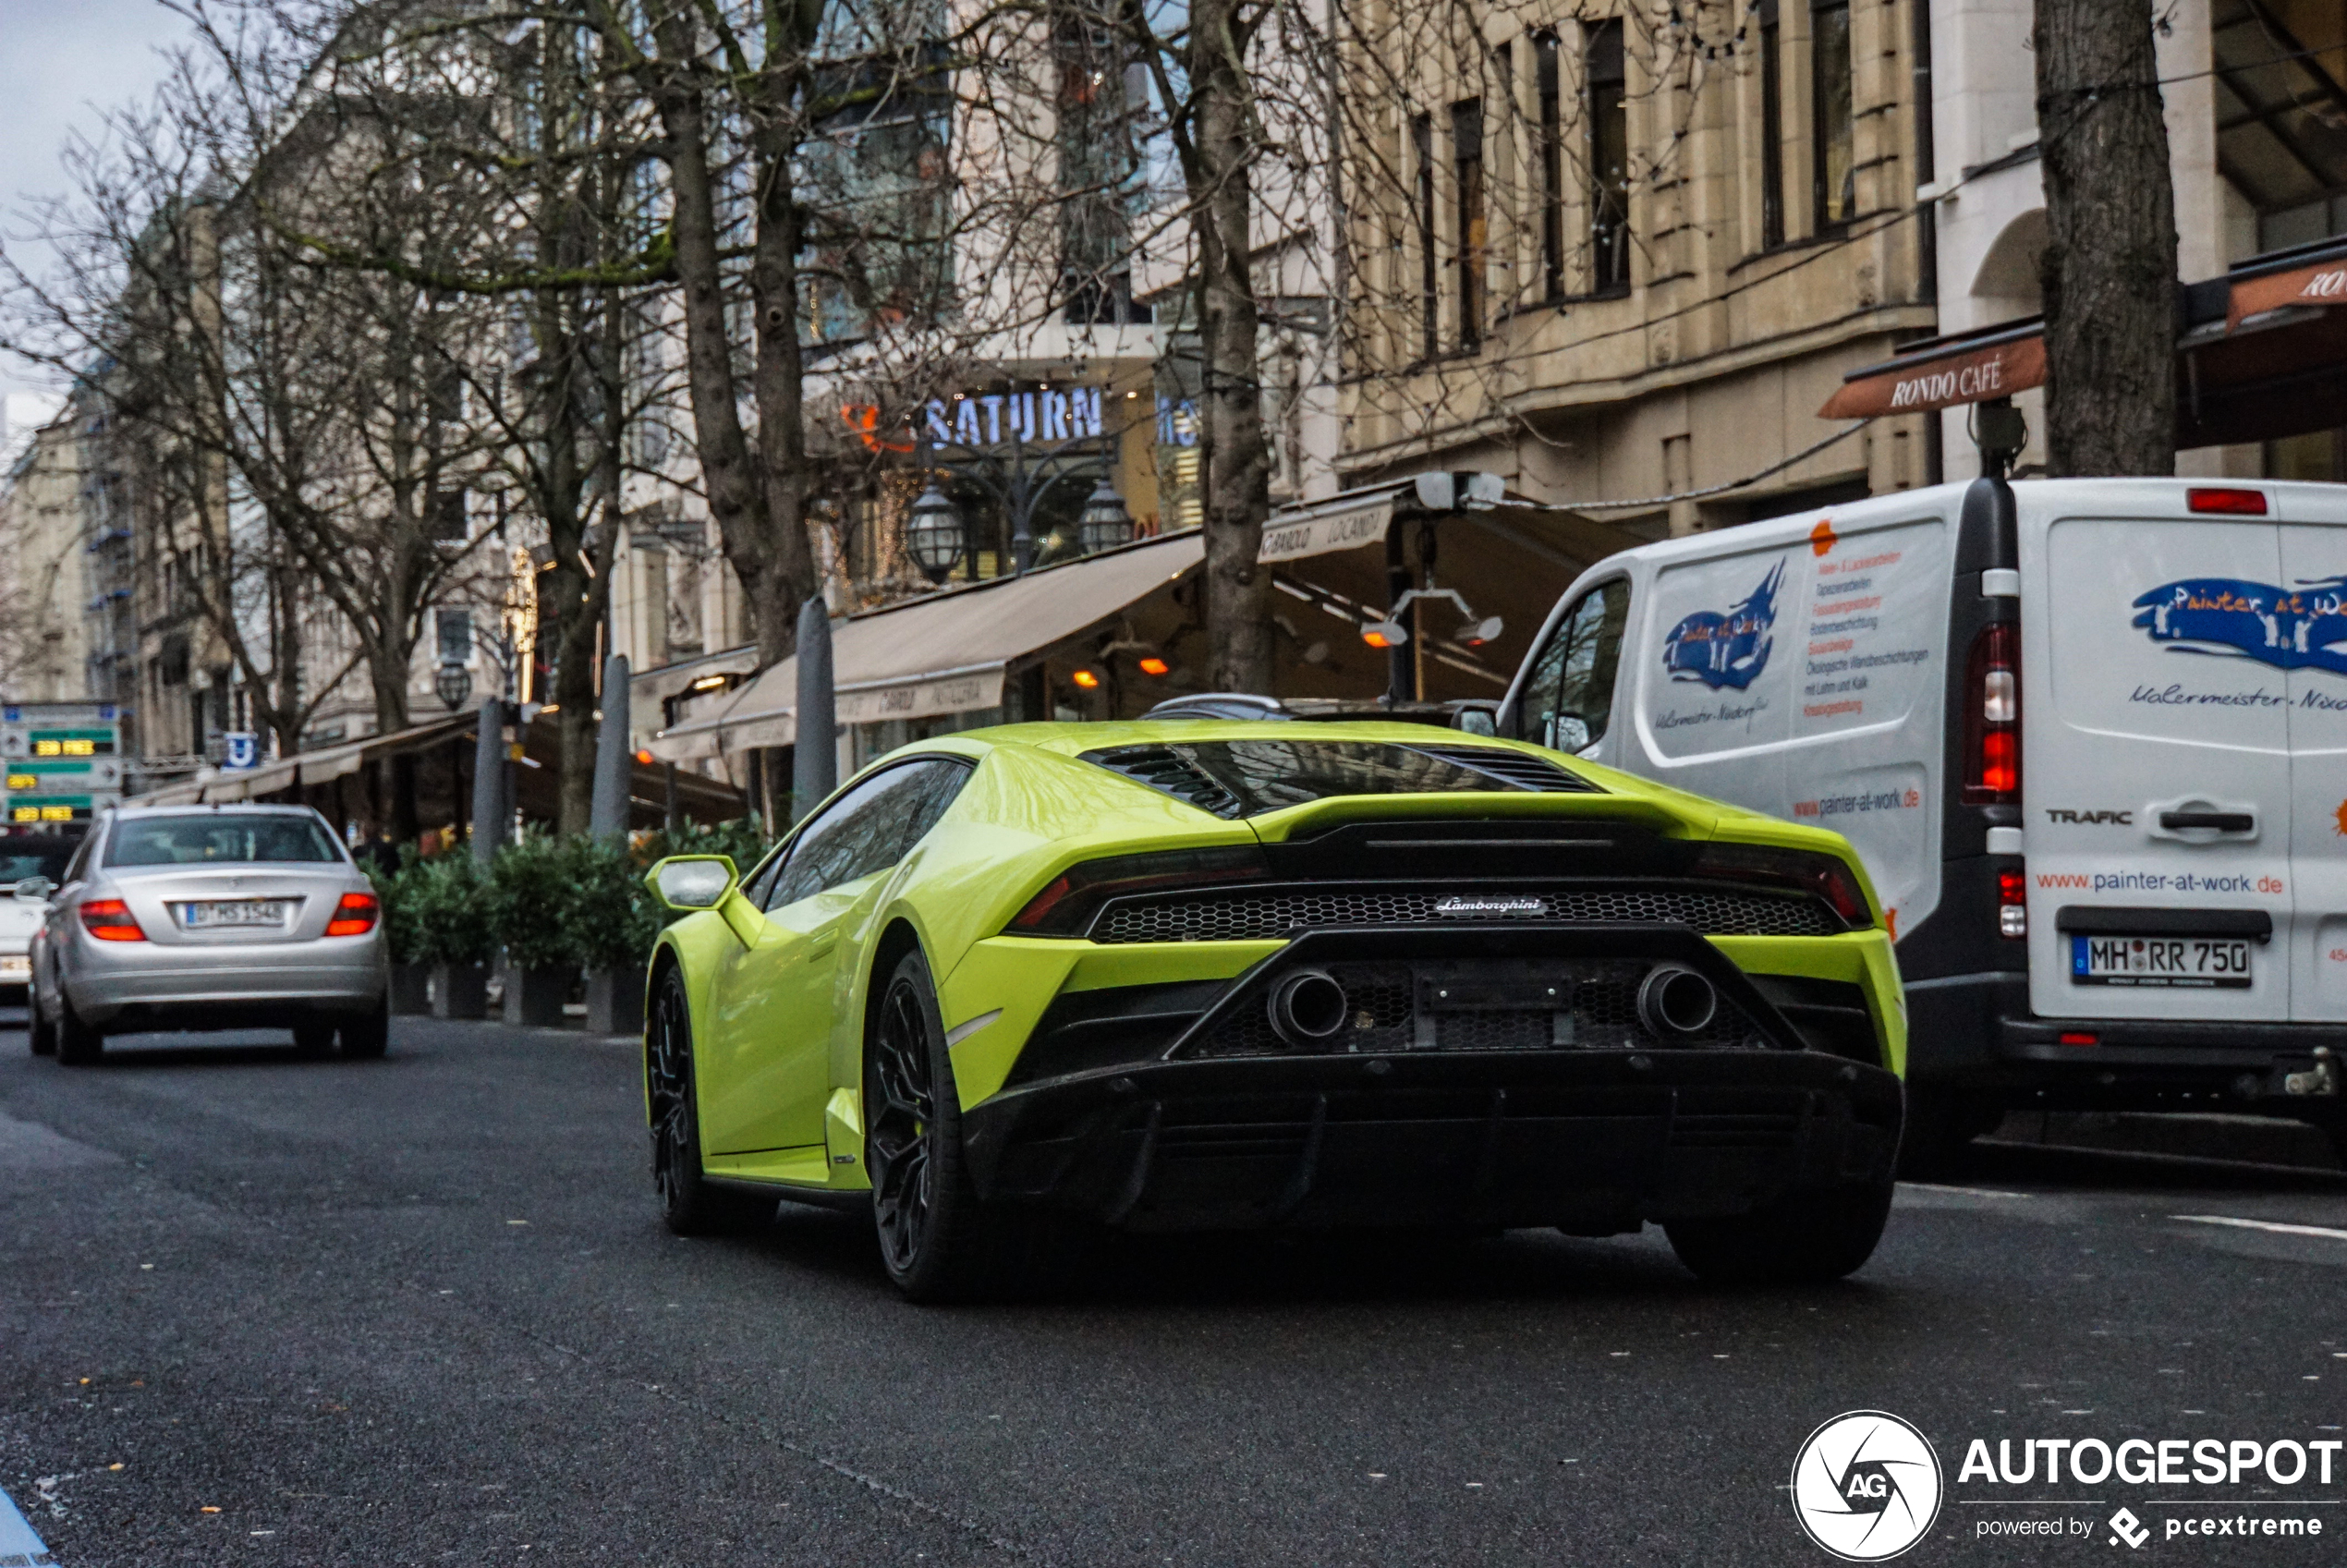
x,y
686,883
35,890
1568,732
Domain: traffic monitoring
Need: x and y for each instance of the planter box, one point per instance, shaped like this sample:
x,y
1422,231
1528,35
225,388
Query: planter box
x,y
412,989
615,1001
534,998
460,991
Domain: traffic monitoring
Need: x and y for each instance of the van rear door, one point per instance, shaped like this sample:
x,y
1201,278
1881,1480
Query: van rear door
x,y
2314,565
2156,747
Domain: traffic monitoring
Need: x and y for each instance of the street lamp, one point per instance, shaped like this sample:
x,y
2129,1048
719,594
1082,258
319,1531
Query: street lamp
x,y
1104,524
452,684
935,534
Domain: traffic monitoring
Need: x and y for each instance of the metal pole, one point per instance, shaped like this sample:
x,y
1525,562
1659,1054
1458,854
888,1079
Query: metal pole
x,y
814,753
489,777
607,813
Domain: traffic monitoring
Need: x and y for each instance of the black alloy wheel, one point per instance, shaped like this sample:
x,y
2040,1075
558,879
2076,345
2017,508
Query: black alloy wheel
x,y
937,1241
689,1205
367,1037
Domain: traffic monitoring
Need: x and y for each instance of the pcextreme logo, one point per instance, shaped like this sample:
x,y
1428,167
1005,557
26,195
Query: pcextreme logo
x,y
1867,1486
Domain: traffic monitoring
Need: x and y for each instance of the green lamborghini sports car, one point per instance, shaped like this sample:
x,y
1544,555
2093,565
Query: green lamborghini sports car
x,y
1015,983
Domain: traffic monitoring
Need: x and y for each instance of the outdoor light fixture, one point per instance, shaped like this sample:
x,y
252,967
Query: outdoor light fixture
x,y
643,758
1385,634
452,684
1475,634
1154,666
935,534
1105,524
706,683
1086,678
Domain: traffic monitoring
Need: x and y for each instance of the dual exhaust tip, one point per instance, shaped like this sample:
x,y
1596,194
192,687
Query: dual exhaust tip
x,y
1309,1008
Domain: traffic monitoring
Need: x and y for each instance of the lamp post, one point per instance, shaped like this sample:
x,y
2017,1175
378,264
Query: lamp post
x,y
452,684
936,535
1104,523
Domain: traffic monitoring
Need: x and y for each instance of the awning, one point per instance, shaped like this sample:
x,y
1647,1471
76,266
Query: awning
x,y
1342,522
245,784
1944,373
2322,283
941,653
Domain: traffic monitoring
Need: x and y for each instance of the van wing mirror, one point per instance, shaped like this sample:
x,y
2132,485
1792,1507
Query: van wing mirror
x,y
35,890
686,883
1567,732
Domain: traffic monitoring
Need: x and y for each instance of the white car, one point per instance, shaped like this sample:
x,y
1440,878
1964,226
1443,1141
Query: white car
x,y
210,917
34,862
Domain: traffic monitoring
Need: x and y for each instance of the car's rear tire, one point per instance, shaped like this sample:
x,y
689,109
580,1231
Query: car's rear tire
x,y
313,1040
1803,1238
367,1037
79,1045
938,1240
40,1034
689,1205
1941,1124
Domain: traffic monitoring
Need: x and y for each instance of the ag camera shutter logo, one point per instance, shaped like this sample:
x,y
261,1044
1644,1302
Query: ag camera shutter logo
x,y
1867,1486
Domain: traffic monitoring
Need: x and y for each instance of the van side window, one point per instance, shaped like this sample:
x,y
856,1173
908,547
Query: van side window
x,y
1572,675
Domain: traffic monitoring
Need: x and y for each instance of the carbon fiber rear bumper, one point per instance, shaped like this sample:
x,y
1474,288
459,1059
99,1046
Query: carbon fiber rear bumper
x,y
1593,1141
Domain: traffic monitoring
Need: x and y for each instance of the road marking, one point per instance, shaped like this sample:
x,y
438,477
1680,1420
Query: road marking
x,y
16,1538
2274,1225
1968,1192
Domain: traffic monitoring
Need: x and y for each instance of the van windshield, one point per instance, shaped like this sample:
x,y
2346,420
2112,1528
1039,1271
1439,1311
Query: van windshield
x,y
43,857
221,839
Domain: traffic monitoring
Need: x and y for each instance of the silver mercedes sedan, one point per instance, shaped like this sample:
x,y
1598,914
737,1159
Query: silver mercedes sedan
x,y
209,918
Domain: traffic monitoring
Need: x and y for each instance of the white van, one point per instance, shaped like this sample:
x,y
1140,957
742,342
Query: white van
x,y
2090,737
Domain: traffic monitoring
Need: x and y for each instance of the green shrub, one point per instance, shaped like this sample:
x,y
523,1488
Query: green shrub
x,y
612,915
450,906
530,897
399,893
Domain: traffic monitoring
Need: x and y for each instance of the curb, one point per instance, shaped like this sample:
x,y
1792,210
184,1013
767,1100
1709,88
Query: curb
x,y
2258,1140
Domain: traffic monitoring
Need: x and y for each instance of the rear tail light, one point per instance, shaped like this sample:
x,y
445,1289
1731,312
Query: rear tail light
x,y
355,915
2013,904
2228,502
110,919
1827,876
2079,1037
1069,901
1992,718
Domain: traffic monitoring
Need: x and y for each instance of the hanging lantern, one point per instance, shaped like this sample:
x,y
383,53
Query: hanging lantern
x,y
935,534
1105,524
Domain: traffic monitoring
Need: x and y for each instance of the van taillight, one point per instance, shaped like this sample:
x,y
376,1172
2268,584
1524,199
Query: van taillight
x,y
1992,718
2228,502
2013,904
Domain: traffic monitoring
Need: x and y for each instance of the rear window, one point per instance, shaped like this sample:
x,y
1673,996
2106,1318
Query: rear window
x,y
1246,778
30,856
212,838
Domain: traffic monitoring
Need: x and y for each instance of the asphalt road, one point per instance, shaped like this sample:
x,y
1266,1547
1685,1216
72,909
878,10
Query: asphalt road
x,y
260,1310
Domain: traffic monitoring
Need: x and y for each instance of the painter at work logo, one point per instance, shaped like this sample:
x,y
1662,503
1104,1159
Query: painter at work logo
x,y
1728,649
2296,628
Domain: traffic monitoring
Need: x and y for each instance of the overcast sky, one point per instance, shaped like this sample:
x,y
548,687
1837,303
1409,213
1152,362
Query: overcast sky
x,y
59,61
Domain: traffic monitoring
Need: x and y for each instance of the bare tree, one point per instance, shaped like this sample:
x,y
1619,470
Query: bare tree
x,y
2108,271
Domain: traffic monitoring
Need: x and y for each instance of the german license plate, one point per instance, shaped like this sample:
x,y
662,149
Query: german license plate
x,y
2196,962
233,912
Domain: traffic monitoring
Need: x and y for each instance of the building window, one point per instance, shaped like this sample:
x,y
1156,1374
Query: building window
x,y
448,520
1772,125
1430,278
1547,85
1609,160
453,633
1466,165
1832,168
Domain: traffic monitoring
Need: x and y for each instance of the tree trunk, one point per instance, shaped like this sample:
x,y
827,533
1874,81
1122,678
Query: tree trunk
x,y
780,389
1236,458
737,500
2108,272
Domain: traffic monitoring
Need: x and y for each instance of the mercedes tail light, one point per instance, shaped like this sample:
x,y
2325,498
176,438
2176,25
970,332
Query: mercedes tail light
x,y
1069,901
1992,718
1805,870
110,919
355,915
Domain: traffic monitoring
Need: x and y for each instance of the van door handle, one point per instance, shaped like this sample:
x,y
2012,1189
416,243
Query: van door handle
x,y
2221,821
